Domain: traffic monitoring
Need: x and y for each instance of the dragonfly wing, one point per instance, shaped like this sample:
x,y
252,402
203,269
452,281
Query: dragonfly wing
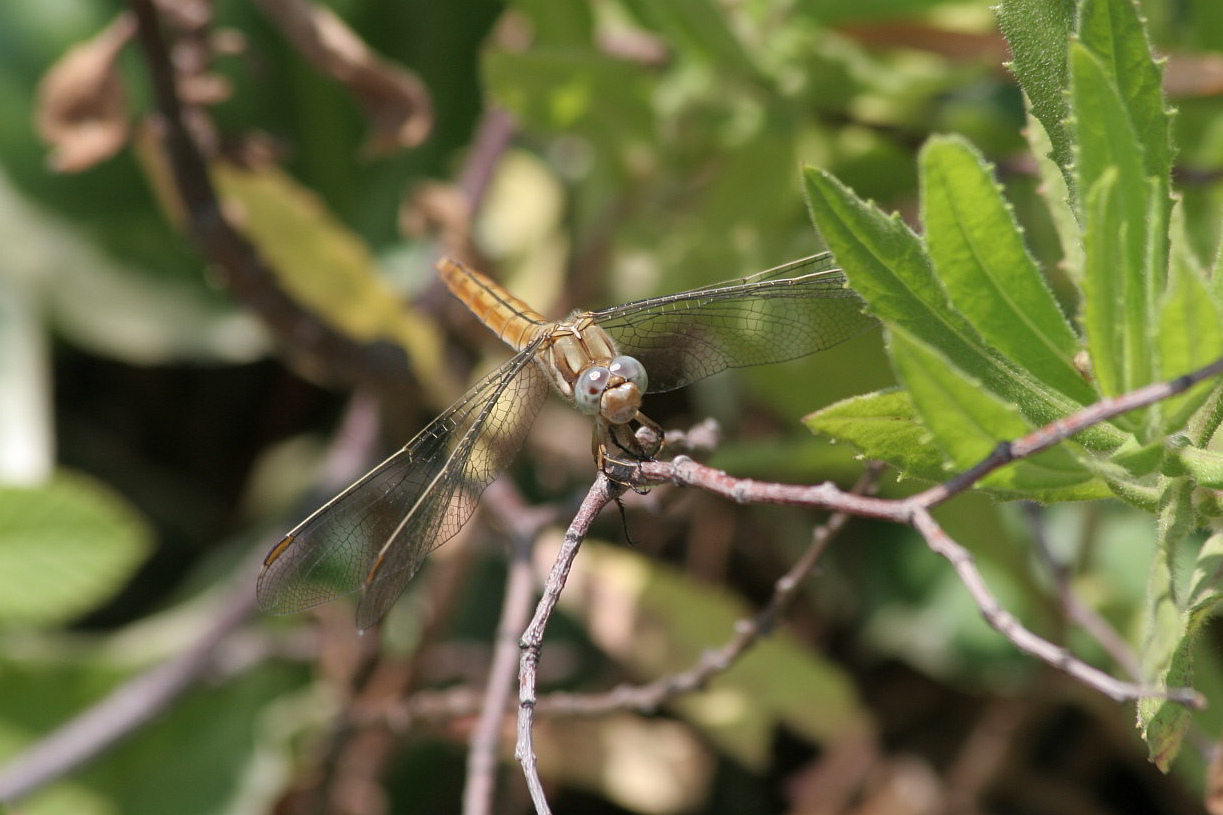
x,y
768,317
375,535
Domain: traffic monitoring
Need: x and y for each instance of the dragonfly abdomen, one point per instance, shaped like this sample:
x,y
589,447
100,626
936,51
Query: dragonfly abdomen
x,y
512,320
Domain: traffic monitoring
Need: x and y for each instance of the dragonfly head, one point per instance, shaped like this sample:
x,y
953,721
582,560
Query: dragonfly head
x,y
613,391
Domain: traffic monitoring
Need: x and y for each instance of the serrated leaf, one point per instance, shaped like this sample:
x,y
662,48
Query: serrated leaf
x,y
1118,299
978,252
1037,32
65,547
1216,279
967,422
887,265
1101,306
1113,32
1172,629
1190,330
1112,322
885,427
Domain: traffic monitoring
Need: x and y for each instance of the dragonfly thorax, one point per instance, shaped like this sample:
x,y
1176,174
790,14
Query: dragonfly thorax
x,y
587,368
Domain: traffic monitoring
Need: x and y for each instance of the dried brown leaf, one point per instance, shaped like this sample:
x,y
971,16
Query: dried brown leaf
x,y
394,99
81,110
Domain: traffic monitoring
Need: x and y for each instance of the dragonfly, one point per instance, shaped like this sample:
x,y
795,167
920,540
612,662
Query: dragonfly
x,y
373,537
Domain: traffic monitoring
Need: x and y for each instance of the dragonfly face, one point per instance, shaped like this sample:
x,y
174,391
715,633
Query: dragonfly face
x,y
373,537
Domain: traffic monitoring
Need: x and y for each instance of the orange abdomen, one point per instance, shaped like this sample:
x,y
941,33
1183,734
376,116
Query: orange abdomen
x,y
513,320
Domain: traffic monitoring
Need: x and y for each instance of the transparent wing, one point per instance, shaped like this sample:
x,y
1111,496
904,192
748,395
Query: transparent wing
x,y
783,313
375,535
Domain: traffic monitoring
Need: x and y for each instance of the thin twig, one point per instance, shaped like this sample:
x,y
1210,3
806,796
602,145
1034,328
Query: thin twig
x,y
524,524
1076,610
1025,640
910,511
915,511
312,344
683,471
1055,432
601,493
747,632
493,137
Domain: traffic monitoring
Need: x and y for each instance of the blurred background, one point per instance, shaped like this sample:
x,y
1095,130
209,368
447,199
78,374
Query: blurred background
x,y
164,420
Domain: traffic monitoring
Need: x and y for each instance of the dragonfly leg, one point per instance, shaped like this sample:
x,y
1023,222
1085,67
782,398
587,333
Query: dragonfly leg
x,y
618,449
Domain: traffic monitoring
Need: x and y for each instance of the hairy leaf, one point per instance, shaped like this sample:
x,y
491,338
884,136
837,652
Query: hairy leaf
x,y
968,422
888,266
979,256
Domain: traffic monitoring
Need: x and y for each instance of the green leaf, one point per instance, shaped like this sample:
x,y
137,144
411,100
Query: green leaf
x,y
1190,331
1137,493
1056,195
1216,279
1101,301
887,265
1139,459
1037,32
1118,303
222,736
1172,629
559,22
563,90
979,255
217,734
65,547
968,422
885,427
1204,466
1113,32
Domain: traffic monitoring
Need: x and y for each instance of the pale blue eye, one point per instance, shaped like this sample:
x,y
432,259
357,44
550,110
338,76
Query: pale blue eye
x,y
588,390
631,370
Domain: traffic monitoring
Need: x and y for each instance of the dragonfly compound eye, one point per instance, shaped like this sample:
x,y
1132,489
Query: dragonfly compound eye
x,y
629,369
588,391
